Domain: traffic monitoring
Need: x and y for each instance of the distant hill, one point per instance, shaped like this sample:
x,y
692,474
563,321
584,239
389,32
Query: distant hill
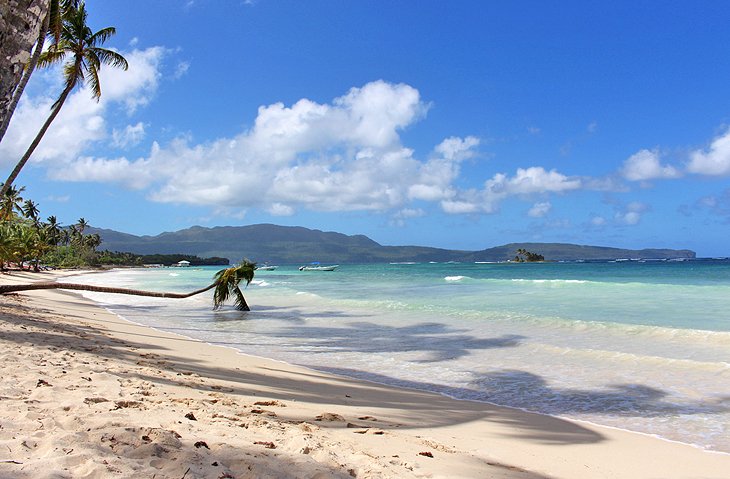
x,y
293,244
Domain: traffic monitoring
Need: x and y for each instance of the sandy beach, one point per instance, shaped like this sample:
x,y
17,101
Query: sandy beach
x,y
87,394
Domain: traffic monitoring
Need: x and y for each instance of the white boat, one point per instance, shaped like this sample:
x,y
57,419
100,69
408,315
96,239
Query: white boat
x,y
317,267
266,267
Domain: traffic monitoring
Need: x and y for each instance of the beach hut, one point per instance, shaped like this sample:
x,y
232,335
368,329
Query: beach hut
x,y
183,264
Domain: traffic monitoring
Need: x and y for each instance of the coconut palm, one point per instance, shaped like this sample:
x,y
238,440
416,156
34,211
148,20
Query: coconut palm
x,y
78,42
225,283
10,202
53,230
81,225
30,210
91,241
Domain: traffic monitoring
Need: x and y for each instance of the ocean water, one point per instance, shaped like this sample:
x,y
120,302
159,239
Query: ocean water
x,y
642,346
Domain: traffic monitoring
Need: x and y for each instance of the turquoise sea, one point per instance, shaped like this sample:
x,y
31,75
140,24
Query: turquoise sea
x,y
643,346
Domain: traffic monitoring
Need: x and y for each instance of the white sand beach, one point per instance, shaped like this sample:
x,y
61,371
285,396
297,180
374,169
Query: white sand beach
x,y
87,394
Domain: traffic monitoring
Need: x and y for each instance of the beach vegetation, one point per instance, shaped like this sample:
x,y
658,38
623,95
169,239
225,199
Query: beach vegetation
x,y
524,256
226,284
82,47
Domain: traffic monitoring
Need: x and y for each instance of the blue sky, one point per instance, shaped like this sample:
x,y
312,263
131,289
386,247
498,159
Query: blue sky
x,y
464,124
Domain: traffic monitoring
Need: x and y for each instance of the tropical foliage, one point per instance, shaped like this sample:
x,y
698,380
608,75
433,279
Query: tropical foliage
x,y
525,256
27,240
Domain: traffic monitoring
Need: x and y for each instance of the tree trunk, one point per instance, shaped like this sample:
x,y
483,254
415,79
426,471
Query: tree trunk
x,y
11,288
20,23
37,140
27,72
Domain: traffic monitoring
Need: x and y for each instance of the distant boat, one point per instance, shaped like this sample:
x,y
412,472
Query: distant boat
x,y
266,267
317,267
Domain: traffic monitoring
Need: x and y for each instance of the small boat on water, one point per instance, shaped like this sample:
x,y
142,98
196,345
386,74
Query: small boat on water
x,y
317,267
266,267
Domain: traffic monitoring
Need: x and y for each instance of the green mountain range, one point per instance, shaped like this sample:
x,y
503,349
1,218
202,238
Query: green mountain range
x,y
288,244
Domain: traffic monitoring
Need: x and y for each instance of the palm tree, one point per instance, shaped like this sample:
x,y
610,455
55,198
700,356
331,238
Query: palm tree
x,y
78,42
10,202
81,225
53,229
225,283
30,210
92,241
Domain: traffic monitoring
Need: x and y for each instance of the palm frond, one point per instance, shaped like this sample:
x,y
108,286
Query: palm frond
x,y
102,36
110,57
51,56
226,284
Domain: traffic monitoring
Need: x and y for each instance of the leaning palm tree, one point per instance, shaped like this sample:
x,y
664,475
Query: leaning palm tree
x,y
225,283
86,59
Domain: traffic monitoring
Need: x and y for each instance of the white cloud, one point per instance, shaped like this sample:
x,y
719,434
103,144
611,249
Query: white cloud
x,y
81,121
716,161
645,165
525,183
181,69
400,217
435,177
457,149
598,221
130,136
459,207
278,209
118,170
345,155
631,214
533,180
540,209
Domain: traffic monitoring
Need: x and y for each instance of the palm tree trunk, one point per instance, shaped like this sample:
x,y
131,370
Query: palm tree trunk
x,y
37,140
19,24
27,72
11,288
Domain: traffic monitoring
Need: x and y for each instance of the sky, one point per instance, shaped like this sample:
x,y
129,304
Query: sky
x,y
461,124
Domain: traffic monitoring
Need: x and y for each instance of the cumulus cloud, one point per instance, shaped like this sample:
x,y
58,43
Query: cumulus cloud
x,y
400,217
540,209
81,122
631,213
342,155
533,180
715,161
525,183
131,135
645,165
117,170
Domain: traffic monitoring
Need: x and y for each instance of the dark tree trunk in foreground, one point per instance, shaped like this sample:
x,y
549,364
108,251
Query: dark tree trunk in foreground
x,y
20,24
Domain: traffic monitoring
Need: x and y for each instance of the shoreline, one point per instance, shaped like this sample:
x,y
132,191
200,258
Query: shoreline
x,y
466,438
